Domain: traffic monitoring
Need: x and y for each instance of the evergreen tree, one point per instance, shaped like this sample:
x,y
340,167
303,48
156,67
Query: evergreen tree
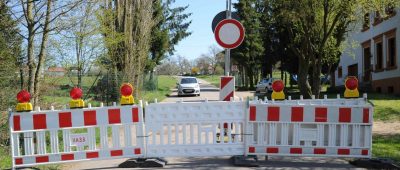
x,y
10,51
250,53
171,27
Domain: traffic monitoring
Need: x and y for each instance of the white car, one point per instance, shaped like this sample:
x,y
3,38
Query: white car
x,y
265,85
188,86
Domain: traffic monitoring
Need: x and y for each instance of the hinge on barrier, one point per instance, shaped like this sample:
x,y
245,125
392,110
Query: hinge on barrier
x,y
243,134
145,136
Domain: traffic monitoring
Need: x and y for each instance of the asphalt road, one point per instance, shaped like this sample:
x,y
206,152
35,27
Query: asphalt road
x,y
211,93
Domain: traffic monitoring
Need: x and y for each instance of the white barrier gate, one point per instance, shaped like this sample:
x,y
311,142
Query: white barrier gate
x,y
322,127
195,129
71,135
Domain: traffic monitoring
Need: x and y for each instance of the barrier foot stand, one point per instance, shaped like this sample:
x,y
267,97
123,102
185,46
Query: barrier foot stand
x,y
143,163
375,163
245,161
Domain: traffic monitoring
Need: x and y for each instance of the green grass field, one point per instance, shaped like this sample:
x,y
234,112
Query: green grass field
x,y
213,79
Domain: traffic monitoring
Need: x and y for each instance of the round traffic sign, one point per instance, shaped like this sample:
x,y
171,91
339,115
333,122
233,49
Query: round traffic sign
x,y
229,33
221,16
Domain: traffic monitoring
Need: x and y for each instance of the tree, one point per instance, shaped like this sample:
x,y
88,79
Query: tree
x,y
82,38
316,31
215,57
171,26
250,53
10,53
126,29
184,65
38,18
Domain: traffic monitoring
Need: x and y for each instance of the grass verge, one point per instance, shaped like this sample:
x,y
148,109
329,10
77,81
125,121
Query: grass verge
x,y
213,79
386,146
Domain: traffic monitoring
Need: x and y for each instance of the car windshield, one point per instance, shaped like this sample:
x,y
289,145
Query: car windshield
x,y
188,80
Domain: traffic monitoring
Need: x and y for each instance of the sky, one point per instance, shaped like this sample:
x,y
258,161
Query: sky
x,y
202,37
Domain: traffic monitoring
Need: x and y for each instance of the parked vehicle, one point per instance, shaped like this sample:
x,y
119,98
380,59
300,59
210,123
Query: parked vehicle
x,y
188,86
265,85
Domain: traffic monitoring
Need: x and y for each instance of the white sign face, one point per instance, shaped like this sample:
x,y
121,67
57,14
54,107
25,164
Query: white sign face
x,y
79,139
229,33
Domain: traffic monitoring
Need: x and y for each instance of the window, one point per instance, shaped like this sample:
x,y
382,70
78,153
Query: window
x,y
378,53
390,89
391,54
366,22
340,72
379,56
352,70
377,19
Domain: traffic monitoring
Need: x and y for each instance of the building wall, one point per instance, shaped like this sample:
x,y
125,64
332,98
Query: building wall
x,y
354,54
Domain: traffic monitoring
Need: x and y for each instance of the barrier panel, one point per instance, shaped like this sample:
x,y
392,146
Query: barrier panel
x,y
323,127
195,129
315,127
42,137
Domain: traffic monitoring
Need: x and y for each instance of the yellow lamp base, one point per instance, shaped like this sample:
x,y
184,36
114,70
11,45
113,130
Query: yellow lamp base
x,y
351,93
127,100
278,95
24,107
79,103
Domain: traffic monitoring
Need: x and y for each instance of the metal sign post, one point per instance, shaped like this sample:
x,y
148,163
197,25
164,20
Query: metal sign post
x,y
227,50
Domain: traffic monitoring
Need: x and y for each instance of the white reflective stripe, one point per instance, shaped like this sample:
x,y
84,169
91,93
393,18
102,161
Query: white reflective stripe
x,y
309,114
332,135
227,89
54,141
41,142
127,136
28,143
77,117
26,121
115,136
103,137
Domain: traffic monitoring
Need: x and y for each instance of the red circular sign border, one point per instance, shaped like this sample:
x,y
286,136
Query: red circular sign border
x,y
241,31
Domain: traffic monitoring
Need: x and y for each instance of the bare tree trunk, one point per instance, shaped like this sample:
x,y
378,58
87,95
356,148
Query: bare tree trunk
x,y
30,53
302,80
42,53
316,80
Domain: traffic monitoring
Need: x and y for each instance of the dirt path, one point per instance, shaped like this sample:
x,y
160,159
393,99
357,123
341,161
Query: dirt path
x,y
386,128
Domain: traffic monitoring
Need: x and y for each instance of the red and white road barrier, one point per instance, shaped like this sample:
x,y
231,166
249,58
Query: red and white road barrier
x,y
227,88
34,127
325,129
314,127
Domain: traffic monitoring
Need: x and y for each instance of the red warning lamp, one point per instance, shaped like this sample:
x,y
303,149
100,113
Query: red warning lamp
x,y
76,102
351,85
126,89
75,93
277,85
23,98
126,94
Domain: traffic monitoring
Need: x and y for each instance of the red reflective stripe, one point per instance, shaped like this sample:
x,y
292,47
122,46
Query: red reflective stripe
x,y
67,157
252,149
39,121
17,122
92,155
364,152
19,161
89,118
41,159
116,153
343,151
273,114
252,113
321,114
296,150
225,81
228,97
272,150
297,114
135,114
366,115
319,151
137,151
345,115
114,116
64,119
